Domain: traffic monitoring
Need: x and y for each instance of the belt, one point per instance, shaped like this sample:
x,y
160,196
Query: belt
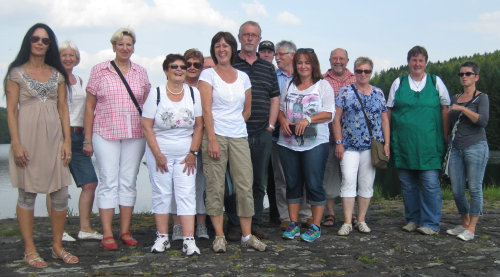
x,y
76,130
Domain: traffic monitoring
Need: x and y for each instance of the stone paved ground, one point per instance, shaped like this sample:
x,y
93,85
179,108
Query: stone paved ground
x,y
387,251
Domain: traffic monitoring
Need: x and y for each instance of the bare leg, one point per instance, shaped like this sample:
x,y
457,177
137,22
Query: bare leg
x,y
348,207
48,204
187,222
162,223
58,219
317,213
465,220
472,224
293,211
217,222
201,219
125,218
363,204
25,219
85,204
246,225
106,221
330,204
177,220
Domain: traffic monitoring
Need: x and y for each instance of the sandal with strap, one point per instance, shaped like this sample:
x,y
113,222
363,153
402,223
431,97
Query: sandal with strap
x,y
34,260
129,241
65,256
329,221
109,243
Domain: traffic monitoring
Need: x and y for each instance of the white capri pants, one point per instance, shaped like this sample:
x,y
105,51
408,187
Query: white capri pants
x,y
201,186
357,171
118,163
164,184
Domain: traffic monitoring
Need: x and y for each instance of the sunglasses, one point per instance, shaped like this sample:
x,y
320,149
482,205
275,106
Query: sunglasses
x,y
366,71
196,65
310,50
466,74
175,66
35,39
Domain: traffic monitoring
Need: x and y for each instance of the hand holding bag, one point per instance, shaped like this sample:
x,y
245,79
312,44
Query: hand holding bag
x,y
379,159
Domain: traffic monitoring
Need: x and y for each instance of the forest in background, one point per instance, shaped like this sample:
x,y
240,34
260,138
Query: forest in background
x,y
489,83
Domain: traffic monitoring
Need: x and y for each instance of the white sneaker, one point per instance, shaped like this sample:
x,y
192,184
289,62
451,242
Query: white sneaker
x,y
466,235
86,235
189,247
177,232
67,237
455,231
161,244
345,229
362,227
201,231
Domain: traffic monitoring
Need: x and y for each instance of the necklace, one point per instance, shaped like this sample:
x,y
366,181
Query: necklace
x,y
416,84
175,93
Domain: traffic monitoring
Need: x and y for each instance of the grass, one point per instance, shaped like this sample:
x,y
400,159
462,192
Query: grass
x,y
365,259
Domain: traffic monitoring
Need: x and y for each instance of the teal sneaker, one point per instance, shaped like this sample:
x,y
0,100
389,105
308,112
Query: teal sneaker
x,y
292,231
313,233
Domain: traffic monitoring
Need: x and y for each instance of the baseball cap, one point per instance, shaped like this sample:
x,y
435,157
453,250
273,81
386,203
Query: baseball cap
x,y
266,44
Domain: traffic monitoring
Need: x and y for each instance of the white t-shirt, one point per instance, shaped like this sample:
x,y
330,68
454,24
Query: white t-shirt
x,y
297,104
173,121
76,103
228,102
444,96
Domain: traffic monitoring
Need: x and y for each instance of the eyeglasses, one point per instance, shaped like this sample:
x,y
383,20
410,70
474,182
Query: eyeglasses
x,y
196,65
175,66
278,54
310,50
35,39
461,74
248,35
366,71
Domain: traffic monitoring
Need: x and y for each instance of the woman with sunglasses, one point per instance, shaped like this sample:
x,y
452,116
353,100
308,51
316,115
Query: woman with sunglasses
x,y
194,62
113,132
37,115
306,107
353,141
469,153
173,125
226,100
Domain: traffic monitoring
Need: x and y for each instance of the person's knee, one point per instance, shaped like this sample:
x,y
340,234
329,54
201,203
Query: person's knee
x,y
59,199
26,200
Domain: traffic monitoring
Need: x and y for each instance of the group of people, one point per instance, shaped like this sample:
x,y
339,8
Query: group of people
x,y
210,132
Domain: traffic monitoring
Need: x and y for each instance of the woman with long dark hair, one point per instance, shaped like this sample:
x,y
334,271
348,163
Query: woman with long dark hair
x,y
37,115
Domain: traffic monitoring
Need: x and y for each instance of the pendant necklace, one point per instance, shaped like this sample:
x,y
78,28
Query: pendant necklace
x,y
175,93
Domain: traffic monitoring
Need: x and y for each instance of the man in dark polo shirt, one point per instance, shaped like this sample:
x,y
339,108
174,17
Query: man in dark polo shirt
x,y
265,107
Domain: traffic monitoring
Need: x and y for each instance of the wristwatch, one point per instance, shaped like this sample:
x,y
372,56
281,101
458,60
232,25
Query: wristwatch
x,y
339,142
194,152
272,126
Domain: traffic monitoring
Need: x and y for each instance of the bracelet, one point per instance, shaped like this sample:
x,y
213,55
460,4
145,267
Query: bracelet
x,y
308,119
272,126
87,142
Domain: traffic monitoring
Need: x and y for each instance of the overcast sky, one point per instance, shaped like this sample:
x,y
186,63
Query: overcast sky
x,y
381,30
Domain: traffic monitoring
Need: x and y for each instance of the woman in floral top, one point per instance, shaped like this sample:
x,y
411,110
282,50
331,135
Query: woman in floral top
x,y
354,142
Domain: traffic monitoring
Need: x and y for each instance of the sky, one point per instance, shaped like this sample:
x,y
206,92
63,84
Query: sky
x,y
381,30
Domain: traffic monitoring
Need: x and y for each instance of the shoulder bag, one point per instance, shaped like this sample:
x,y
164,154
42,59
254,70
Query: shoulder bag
x,y
129,90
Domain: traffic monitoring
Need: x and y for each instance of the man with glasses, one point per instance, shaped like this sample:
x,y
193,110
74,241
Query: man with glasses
x,y
338,76
260,125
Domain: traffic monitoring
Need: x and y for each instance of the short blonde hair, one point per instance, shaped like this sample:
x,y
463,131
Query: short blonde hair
x,y
71,45
118,35
363,60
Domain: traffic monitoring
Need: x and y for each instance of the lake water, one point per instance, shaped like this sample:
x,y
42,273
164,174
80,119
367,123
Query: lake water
x,y
387,179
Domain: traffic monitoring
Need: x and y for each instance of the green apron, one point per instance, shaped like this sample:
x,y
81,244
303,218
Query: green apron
x,y
417,127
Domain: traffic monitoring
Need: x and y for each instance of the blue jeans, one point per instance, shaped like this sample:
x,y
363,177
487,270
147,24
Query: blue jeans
x,y
260,152
305,167
468,165
422,196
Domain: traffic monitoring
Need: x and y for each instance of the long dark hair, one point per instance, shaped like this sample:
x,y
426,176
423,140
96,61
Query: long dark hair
x,y
316,71
52,56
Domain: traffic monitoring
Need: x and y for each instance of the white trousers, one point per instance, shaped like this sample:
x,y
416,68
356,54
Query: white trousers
x,y
357,171
163,186
201,186
118,163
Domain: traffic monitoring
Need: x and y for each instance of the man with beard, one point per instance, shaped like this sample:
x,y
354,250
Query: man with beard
x,y
260,125
338,76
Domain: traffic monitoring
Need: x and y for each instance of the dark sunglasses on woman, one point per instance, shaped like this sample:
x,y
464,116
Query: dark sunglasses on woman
x,y
35,39
196,65
175,66
466,74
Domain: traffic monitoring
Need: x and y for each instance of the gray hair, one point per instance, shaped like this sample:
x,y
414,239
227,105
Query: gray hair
x,y
288,45
250,22
118,35
346,55
71,45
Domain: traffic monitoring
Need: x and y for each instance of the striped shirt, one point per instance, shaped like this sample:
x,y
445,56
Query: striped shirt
x,y
264,87
115,114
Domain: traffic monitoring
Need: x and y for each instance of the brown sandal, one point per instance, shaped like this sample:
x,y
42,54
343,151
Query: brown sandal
x,y
65,256
329,221
34,260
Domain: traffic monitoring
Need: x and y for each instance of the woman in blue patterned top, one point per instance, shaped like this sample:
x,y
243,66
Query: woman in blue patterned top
x,y
354,142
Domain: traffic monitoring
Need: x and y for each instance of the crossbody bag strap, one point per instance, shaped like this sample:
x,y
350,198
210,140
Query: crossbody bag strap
x,y
363,109
129,90
455,126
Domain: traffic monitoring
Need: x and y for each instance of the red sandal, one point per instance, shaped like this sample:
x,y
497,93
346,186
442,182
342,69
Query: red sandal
x,y
109,243
128,239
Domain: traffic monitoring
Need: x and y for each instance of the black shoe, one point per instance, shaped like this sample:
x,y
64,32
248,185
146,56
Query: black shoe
x,y
233,235
260,234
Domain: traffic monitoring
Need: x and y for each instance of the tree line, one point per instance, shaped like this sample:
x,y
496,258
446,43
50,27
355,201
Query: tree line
x,y
489,83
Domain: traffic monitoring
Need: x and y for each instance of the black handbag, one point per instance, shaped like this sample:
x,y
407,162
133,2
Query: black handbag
x,y
379,159
129,90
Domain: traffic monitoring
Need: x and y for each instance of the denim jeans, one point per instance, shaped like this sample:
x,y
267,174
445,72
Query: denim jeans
x,y
260,152
468,165
422,196
305,167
